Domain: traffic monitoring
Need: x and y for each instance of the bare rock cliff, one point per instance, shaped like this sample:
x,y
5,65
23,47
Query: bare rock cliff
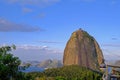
x,y
82,49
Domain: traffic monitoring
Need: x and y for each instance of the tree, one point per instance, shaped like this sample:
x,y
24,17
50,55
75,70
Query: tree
x,y
9,64
73,72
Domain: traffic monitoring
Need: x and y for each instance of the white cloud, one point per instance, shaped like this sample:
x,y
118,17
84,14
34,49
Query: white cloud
x,y
111,54
37,53
88,0
28,6
111,51
111,45
84,0
8,26
113,2
28,47
33,2
49,42
27,10
40,16
35,47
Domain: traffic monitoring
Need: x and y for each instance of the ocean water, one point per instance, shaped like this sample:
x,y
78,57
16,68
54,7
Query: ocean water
x,y
33,69
109,69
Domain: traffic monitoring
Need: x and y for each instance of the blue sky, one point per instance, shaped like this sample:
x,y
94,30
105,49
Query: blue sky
x,y
41,28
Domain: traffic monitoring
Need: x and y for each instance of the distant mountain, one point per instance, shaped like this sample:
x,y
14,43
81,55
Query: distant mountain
x,y
117,63
83,50
50,64
31,63
44,64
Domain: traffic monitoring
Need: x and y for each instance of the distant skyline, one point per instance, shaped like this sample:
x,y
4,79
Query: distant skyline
x,y
41,28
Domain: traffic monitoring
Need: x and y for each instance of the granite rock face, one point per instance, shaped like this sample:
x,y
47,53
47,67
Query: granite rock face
x,y
82,49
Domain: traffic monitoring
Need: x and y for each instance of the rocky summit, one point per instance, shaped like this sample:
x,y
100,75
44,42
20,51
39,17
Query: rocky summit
x,y
82,49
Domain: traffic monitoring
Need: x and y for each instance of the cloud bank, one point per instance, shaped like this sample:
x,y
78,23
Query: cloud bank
x,y
111,45
49,42
37,53
8,26
111,54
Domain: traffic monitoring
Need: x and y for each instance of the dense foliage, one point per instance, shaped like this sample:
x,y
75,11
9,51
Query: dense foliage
x,y
9,65
67,73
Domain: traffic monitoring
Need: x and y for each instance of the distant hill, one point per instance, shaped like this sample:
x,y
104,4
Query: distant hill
x,y
50,64
44,64
31,63
117,63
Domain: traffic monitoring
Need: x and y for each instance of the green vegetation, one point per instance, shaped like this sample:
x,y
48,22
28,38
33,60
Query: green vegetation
x,y
9,65
67,73
10,70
